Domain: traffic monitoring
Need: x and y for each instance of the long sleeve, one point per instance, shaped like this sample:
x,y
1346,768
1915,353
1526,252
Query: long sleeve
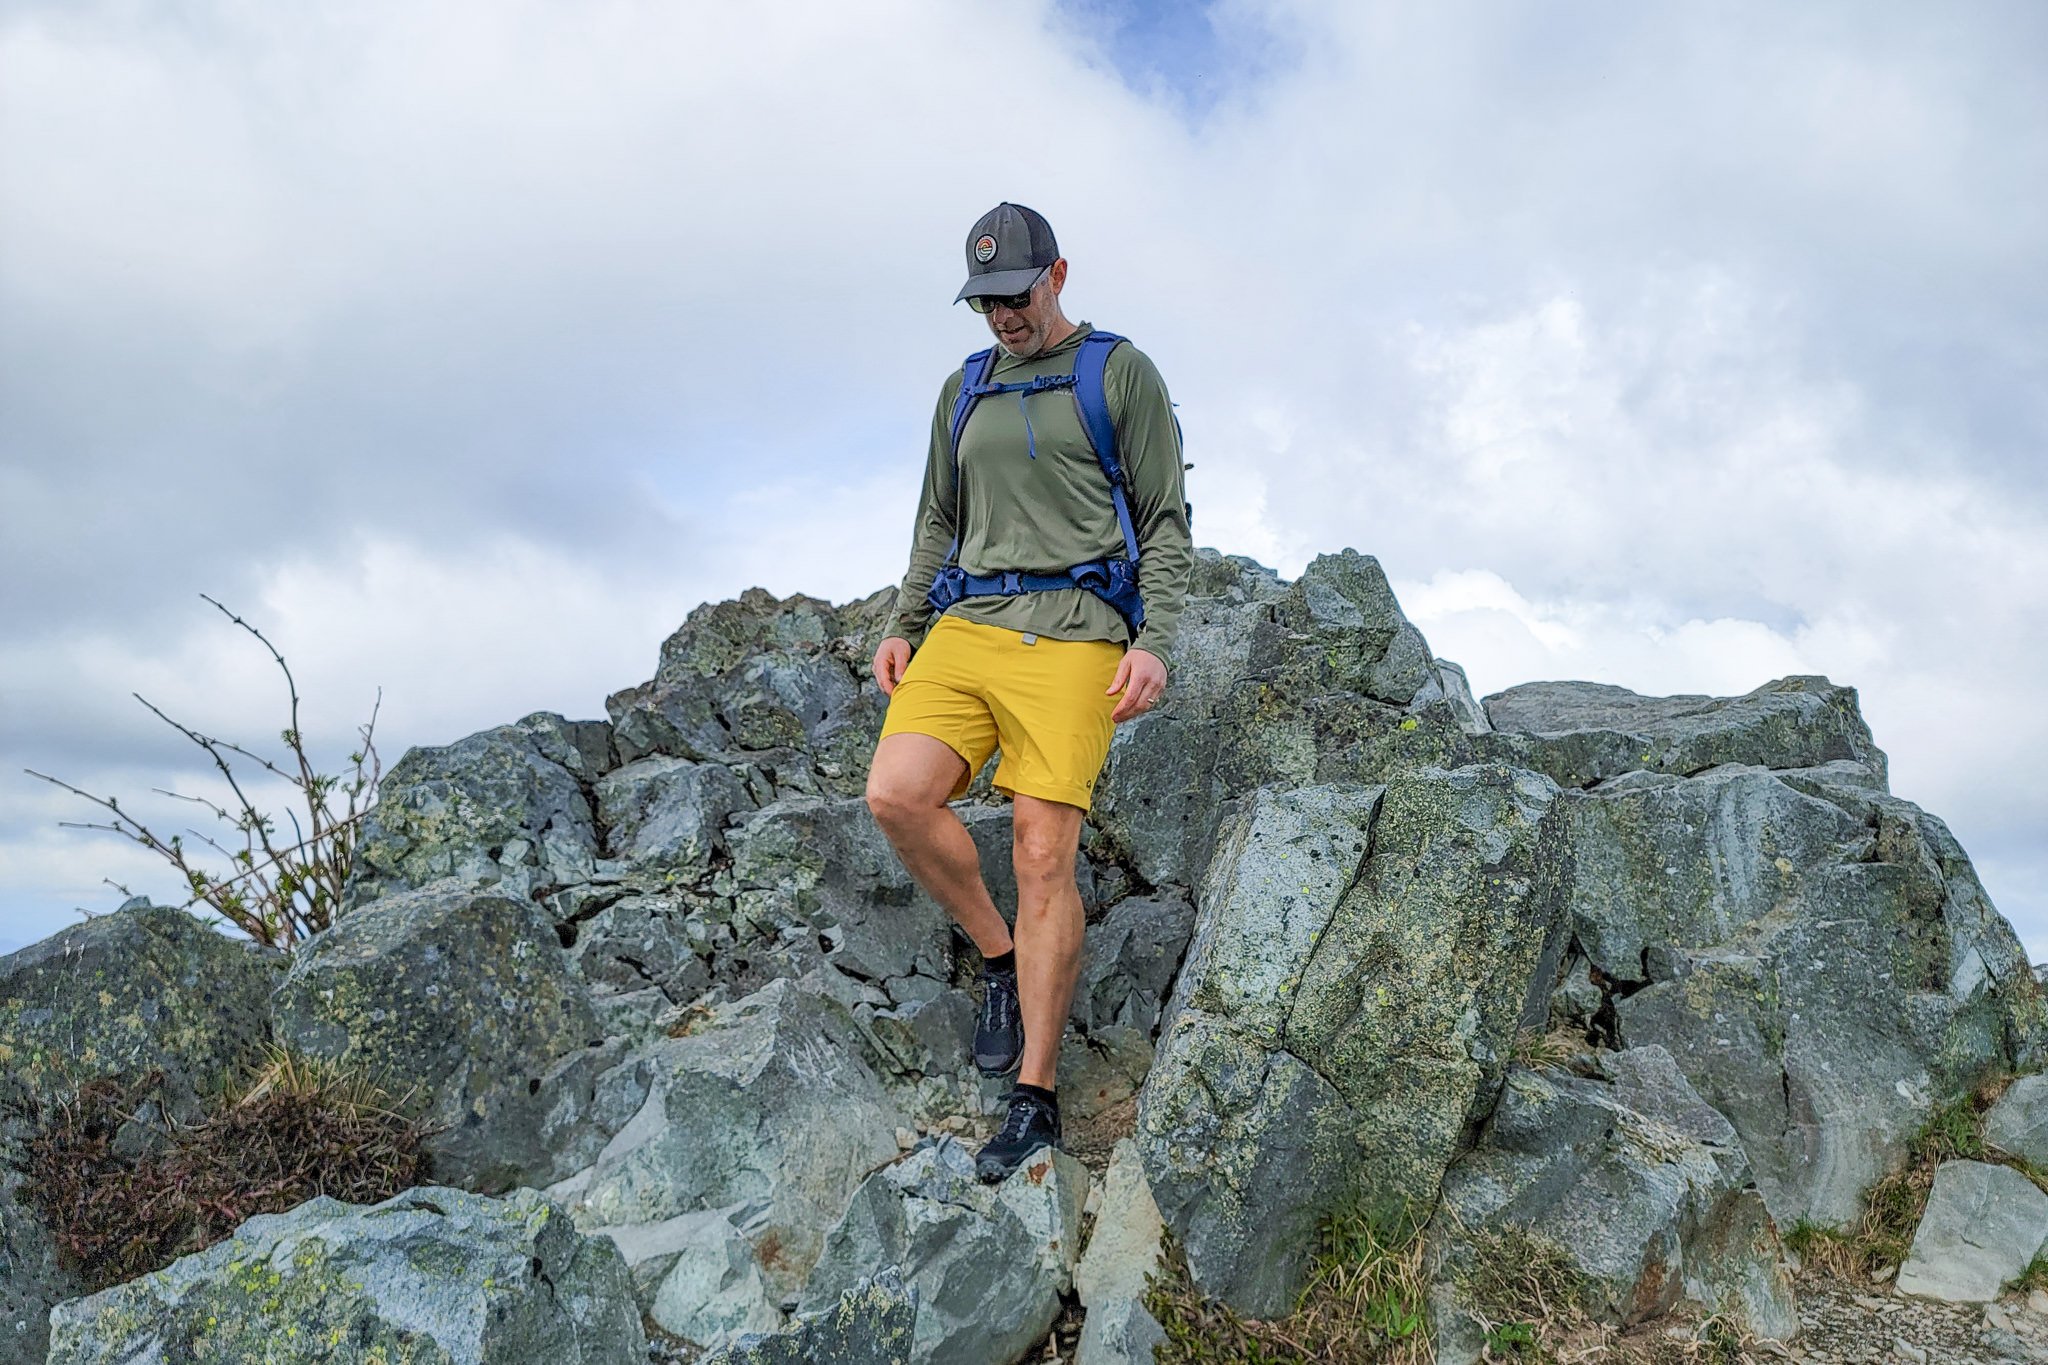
x,y
1148,441
932,528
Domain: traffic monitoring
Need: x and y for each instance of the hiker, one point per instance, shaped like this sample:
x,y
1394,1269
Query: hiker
x,y
1038,612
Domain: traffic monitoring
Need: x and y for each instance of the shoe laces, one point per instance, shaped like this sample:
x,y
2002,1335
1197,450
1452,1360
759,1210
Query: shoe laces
x,y
1023,1108
999,1001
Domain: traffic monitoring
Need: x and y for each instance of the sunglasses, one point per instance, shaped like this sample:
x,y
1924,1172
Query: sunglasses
x,y
987,304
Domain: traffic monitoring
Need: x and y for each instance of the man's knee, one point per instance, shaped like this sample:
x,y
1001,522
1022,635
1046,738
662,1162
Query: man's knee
x,y
1043,849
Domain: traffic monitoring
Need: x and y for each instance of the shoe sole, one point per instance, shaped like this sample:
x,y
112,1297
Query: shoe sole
x,y
995,1173
995,1073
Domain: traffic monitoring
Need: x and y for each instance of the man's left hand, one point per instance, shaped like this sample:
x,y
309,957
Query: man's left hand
x,y
1142,677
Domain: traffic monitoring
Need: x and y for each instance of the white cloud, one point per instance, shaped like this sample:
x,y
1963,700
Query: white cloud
x,y
470,345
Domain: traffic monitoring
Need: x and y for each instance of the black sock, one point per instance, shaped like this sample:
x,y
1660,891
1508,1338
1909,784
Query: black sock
x,y
1041,1093
1006,962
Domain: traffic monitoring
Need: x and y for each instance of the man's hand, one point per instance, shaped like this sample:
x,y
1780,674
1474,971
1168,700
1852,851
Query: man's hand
x,y
892,656
1142,677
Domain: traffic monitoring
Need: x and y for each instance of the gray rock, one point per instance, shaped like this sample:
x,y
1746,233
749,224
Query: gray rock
x,y
432,1275
466,995
2018,1124
1984,1224
873,1323
771,1100
1361,963
713,1291
498,809
1100,1070
1750,903
989,1261
1129,961
145,988
1110,1280
1448,684
779,685
1581,732
1640,1182
666,816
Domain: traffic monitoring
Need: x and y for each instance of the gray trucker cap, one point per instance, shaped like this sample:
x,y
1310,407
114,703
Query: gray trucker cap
x,y
1008,248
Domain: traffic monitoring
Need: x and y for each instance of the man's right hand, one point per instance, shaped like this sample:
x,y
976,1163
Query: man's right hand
x,y
891,658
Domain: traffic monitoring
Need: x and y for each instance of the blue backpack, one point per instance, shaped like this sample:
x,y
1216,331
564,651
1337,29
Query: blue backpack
x,y
1113,579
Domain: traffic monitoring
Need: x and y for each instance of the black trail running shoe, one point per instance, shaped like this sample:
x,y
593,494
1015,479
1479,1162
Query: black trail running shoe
x,y
1032,1123
999,1033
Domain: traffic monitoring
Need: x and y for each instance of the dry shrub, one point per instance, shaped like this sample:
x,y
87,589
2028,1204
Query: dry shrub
x,y
295,1130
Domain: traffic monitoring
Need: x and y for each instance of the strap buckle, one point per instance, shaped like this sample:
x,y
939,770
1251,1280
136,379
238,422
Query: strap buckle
x,y
1012,581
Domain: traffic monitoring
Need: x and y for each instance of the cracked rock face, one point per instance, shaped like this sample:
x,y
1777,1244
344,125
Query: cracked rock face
x,y
508,808
989,1262
1362,960
872,1323
772,1100
1817,955
1640,1182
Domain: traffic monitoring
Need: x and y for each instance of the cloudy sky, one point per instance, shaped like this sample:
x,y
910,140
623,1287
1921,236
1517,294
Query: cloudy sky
x,y
465,346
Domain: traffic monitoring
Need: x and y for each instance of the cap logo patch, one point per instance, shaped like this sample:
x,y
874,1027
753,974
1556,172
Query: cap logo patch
x,y
984,248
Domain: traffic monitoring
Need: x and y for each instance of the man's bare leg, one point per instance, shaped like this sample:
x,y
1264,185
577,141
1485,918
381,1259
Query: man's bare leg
x,y
1051,925
908,783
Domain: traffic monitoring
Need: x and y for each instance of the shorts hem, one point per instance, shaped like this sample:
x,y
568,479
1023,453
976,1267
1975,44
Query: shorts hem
x,y
972,768
1063,793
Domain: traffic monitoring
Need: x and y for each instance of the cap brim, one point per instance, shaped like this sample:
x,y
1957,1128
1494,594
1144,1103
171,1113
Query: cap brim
x,y
1001,284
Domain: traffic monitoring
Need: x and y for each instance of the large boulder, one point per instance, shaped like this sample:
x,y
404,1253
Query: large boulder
x,y
1640,1182
465,995
508,808
1817,955
434,1276
666,817
1314,681
2018,1123
771,1100
872,1323
1580,733
1983,1226
147,988
1362,961
989,1262
776,687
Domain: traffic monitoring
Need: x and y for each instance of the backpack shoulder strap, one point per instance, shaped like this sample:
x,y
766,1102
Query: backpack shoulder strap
x,y
1090,391
974,373
973,376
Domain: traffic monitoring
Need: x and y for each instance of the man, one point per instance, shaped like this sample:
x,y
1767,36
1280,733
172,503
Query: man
x,y
1045,673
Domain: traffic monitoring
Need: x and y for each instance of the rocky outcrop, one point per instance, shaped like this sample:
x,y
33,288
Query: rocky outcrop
x,y
465,995
147,988
989,1263
2017,1124
434,1275
1361,964
508,808
666,965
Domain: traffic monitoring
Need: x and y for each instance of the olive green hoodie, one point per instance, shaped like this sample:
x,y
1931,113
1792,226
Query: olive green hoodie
x,y
1037,502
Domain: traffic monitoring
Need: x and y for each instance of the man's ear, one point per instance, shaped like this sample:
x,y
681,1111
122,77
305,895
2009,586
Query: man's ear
x,y
1059,274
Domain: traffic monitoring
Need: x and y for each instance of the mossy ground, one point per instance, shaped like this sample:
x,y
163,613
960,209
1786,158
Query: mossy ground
x,y
289,1132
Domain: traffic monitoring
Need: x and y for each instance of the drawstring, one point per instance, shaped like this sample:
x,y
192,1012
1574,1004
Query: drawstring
x,y
1030,442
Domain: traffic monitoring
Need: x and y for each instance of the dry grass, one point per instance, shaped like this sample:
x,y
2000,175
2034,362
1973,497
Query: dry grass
x,y
1363,1303
294,1130
1881,1238
1552,1051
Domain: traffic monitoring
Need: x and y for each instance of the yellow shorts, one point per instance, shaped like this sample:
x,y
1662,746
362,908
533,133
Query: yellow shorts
x,y
1046,704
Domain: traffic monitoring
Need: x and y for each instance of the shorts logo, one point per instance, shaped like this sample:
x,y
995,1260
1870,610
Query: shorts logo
x,y
984,248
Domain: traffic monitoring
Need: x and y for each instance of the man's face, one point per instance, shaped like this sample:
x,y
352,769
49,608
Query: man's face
x,y
1022,331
